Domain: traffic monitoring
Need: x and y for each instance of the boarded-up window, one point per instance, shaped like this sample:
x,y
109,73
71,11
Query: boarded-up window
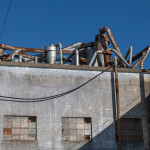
x,y
131,130
76,129
19,128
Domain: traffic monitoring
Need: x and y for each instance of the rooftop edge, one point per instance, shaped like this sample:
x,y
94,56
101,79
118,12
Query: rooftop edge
x,y
72,67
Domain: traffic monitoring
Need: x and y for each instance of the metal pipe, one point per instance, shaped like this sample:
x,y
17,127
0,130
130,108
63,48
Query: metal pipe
x,y
20,58
73,52
98,46
34,50
72,46
140,60
93,58
137,63
118,54
138,55
35,59
130,56
127,54
111,37
107,57
77,56
13,48
144,57
22,54
118,104
60,52
112,40
15,53
69,57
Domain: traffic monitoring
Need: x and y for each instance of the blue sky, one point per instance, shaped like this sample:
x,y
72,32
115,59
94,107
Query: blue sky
x,y
37,23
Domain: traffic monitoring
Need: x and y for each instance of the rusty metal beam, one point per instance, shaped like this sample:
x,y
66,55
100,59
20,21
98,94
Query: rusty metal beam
x,y
138,55
13,48
143,56
137,63
33,50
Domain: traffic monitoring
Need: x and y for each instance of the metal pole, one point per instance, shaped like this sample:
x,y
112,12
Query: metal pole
x,y
77,56
36,60
118,106
60,53
144,57
130,56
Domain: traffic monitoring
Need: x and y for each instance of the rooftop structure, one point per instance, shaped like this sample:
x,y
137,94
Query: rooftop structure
x,y
97,53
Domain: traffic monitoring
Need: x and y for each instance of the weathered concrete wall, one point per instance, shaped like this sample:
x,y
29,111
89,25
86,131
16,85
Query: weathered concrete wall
x,y
96,99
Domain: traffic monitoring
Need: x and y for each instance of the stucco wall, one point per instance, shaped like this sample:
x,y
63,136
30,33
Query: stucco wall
x,y
96,99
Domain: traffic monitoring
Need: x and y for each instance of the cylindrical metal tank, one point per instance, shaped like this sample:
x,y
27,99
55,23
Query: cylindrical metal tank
x,y
50,52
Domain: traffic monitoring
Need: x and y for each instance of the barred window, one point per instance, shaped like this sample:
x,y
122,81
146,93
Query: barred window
x,y
76,129
20,128
131,130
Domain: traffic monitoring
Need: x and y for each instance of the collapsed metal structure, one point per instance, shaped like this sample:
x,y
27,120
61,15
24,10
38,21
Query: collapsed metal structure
x,y
95,53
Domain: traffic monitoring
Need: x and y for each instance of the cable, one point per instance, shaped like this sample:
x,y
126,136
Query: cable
x,y
5,19
13,99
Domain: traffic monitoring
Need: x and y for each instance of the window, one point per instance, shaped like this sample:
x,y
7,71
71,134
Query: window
x,y
19,128
131,130
76,129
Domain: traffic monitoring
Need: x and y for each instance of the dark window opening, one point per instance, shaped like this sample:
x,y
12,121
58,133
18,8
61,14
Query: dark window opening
x,y
131,130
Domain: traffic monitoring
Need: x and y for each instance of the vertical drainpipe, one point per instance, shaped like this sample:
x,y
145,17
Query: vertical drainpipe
x,y
118,105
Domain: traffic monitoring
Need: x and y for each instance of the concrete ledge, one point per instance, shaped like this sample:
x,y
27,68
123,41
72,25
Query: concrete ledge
x,y
71,67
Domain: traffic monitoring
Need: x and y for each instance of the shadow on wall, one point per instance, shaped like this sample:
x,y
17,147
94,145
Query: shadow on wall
x,y
106,140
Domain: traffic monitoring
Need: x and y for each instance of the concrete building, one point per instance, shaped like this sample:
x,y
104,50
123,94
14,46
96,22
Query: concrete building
x,y
77,109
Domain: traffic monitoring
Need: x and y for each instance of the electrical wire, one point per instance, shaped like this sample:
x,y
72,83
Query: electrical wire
x,y
5,19
27,100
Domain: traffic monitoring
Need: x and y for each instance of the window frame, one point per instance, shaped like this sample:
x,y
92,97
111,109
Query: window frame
x,y
85,139
29,118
